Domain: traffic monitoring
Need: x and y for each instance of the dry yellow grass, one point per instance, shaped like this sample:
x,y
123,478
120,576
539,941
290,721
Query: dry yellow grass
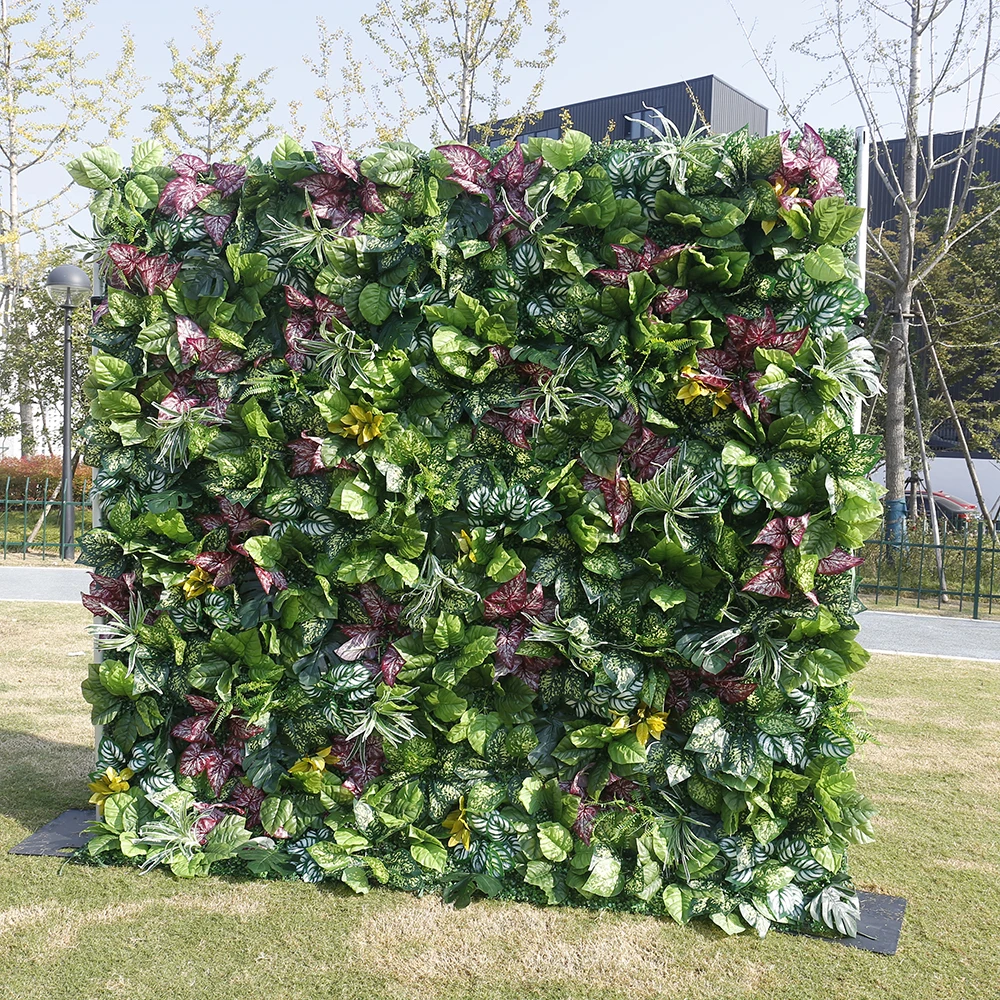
x,y
97,934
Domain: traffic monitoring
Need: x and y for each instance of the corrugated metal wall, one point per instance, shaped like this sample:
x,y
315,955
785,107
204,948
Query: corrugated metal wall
x,y
881,205
725,108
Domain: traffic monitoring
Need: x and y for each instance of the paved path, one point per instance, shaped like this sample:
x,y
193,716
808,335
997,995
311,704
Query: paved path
x,y
43,583
884,631
929,635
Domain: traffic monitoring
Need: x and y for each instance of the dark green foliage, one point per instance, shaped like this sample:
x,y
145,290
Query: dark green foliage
x,y
506,548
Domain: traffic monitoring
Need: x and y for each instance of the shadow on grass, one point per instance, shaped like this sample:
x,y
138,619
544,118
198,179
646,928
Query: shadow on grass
x,y
40,778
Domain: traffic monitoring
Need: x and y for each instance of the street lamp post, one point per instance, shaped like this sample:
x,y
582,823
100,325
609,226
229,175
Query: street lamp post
x,y
68,287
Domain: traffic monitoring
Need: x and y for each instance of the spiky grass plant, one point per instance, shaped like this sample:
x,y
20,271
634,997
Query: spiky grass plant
x,y
677,493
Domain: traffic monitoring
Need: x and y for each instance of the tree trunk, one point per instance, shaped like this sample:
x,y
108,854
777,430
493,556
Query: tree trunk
x,y
902,300
27,419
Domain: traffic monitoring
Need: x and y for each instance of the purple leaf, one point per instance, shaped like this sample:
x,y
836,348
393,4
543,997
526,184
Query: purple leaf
x,y
329,192
126,258
390,665
470,169
614,278
157,272
296,300
270,579
217,226
362,640
769,582
508,599
305,455
228,178
194,729
335,160
838,561
811,149
368,196
666,302
510,635
189,165
182,194
377,606
191,339
108,593
617,497
221,565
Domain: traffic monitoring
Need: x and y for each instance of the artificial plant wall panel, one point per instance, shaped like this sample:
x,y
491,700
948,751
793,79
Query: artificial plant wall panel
x,y
484,520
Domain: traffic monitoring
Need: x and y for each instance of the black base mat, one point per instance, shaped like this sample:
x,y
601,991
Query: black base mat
x,y
878,928
57,838
880,923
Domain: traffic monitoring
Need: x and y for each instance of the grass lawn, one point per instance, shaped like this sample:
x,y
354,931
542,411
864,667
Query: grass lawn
x,y
91,933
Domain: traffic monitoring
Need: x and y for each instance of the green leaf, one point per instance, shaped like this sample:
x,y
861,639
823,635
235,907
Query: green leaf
x,y
142,192
147,155
605,874
171,525
738,454
667,597
729,922
427,850
97,168
532,794
445,704
677,902
391,166
826,263
567,151
264,550
565,185
833,221
374,303
555,841
773,481
627,750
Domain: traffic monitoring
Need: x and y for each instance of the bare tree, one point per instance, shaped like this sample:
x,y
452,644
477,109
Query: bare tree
x,y
911,54
457,55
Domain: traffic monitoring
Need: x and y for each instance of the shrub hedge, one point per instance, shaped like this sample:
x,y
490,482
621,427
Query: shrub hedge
x,y
483,520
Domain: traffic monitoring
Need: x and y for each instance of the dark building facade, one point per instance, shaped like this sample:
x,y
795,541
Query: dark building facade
x,y
881,203
705,99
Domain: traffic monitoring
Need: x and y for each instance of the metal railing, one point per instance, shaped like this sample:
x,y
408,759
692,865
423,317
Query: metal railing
x,y
910,576
32,514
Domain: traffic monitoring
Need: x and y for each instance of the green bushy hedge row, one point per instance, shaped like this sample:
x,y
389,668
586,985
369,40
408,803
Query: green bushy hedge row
x,y
484,520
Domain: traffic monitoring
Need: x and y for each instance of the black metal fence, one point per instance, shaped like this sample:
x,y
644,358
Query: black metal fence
x,y
911,577
32,513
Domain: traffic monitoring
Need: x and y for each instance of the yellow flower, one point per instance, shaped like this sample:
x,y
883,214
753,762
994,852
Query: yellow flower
x,y
456,822
108,783
197,583
781,188
365,425
721,401
692,389
465,545
646,724
319,761
650,724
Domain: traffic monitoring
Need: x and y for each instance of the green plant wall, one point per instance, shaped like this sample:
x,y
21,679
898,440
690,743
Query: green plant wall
x,y
483,521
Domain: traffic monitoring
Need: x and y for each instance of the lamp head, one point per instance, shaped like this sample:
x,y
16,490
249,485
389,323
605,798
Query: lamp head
x,y
68,285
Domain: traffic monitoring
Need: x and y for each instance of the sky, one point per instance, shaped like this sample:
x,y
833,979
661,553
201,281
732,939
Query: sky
x,y
610,48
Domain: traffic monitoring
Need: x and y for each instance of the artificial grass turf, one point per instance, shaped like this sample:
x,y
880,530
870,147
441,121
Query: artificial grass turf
x,y
86,932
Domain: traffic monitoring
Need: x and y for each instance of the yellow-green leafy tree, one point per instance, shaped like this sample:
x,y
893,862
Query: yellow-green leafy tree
x,y
52,98
451,60
209,107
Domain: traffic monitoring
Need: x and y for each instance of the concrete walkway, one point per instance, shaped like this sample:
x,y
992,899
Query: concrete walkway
x,y
881,631
929,635
43,583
